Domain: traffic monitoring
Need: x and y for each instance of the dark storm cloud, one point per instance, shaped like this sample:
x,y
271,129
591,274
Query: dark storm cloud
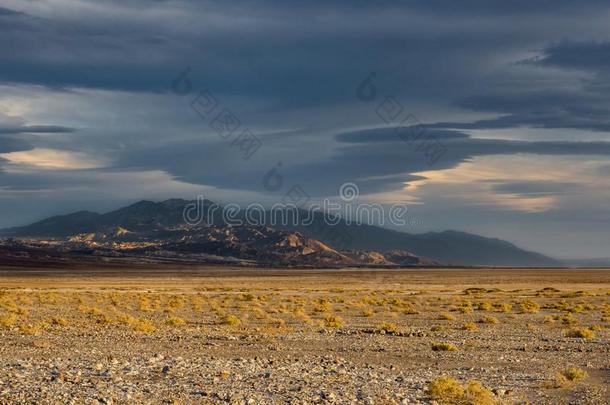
x,y
537,109
377,159
36,129
8,12
580,55
13,144
40,181
391,135
586,107
295,53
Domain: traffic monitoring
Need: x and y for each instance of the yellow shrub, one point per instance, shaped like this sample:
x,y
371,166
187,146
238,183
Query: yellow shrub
x,y
143,325
59,321
581,333
31,329
8,320
175,321
322,306
529,306
386,327
144,304
367,312
470,326
443,347
568,319
449,391
489,319
230,320
569,377
333,321
574,374
446,390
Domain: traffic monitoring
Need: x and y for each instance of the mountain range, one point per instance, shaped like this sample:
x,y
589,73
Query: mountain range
x,y
158,230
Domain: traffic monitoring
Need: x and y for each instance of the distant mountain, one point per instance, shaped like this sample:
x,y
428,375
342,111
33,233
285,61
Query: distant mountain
x,y
603,262
450,247
237,245
141,216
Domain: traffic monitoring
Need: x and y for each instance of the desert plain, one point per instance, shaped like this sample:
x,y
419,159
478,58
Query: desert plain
x,y
274,336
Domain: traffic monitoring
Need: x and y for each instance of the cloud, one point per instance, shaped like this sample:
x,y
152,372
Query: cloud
x,y
594,56
534,188
53,159
377,159
36,129
11,144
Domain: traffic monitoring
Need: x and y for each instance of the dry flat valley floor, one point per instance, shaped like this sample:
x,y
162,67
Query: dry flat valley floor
x,y
305,336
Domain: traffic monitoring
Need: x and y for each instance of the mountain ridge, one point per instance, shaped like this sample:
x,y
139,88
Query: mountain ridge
x,y
449,247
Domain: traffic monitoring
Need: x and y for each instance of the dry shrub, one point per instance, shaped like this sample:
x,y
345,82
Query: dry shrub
x,y
386,327
548,319
489,319
529,306
103,319
144,304
59,321
465,309
574,374
143,325
139,325
449,391
367,312
446,316
470,326
230,320
569,376
322,305
31,329
8,320
332,321
504,307
474,291
302,316
175,321
174,304
444,347
568,319
583,333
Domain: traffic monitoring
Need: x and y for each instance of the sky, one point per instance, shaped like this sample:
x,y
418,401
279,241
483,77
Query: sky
x,y
490,117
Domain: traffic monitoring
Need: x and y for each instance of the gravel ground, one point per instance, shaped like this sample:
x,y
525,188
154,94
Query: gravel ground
x,y
204,361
